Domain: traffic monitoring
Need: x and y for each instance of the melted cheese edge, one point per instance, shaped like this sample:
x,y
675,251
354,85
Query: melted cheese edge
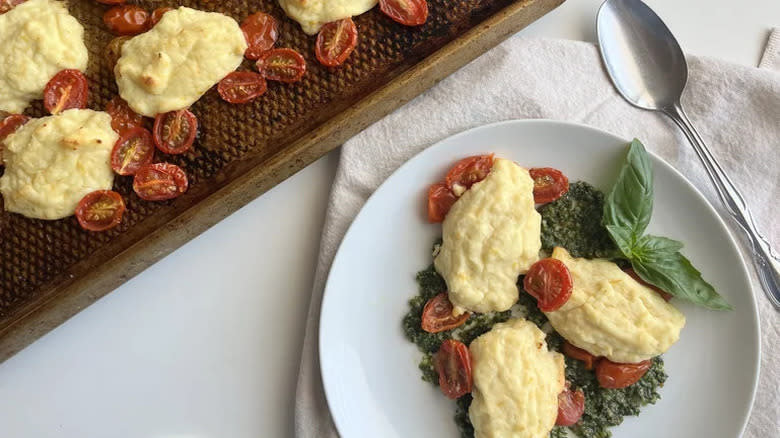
x,y
172,65
490,236
38,38
516,382
312,14
610,314
53,162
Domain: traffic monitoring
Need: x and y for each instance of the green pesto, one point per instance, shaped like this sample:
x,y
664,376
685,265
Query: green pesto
x,y
574,222
604,408
431,284
462,417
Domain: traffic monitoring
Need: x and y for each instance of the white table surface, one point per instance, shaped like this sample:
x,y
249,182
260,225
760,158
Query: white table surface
x,y
215,351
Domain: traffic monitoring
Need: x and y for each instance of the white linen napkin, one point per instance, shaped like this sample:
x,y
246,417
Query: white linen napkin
x,y
735,108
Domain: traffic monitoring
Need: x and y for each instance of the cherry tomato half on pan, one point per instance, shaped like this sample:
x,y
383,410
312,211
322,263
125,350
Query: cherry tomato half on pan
x,y
453,364
100,210
620,375
571,406
133,150
113,50
10,124
550,282
7,5
159,182
260,31
406,12
549,184
283,65
440,200
241,87
468,171
122,116
175,131
157,15
66,90
126,20
437,315
335,41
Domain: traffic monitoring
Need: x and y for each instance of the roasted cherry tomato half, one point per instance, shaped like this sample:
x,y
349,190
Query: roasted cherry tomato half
x,y
571,406
122,116
100,210
468,171
7,5
157,15
587,359
8,126
241,86
549,184
66,90
175,131
437,315
619,375
549,281
440,200
160,181
453,364
261,31
335,41
133,150
406,12
113,50
126,20
665,295
283,65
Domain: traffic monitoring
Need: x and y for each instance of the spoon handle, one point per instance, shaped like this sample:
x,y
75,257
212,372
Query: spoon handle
x,y
765,259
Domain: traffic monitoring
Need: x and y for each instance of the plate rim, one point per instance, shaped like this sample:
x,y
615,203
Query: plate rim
x,y
756,327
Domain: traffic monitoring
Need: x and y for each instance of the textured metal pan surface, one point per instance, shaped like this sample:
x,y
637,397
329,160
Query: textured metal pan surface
x,y
51,269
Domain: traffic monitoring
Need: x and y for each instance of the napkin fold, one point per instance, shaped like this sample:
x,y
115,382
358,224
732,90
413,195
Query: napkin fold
x,y
735,108
771,58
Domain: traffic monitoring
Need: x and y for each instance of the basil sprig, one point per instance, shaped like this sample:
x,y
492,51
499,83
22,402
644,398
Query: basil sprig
x,y
657,260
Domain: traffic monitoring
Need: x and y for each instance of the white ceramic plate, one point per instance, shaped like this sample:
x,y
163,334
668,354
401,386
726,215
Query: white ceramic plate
x,y
369,369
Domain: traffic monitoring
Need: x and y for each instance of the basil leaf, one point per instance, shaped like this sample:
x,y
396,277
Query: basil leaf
x,y
658,261
623,238
657,244
630,204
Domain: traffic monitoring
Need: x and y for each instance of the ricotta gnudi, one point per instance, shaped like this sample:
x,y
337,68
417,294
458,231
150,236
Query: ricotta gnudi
x,y
172,65
516,382
612,315
312,14
52,162
38,38
490,236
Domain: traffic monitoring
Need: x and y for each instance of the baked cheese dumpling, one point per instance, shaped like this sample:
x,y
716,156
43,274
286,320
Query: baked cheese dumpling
x,y
516,382
490,236
312,14
172,65
38,38
51,163
610,314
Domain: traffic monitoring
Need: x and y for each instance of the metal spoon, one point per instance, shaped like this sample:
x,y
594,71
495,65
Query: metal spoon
x,y
648,68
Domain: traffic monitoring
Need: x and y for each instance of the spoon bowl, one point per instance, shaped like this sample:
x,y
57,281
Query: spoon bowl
x,y
642,56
